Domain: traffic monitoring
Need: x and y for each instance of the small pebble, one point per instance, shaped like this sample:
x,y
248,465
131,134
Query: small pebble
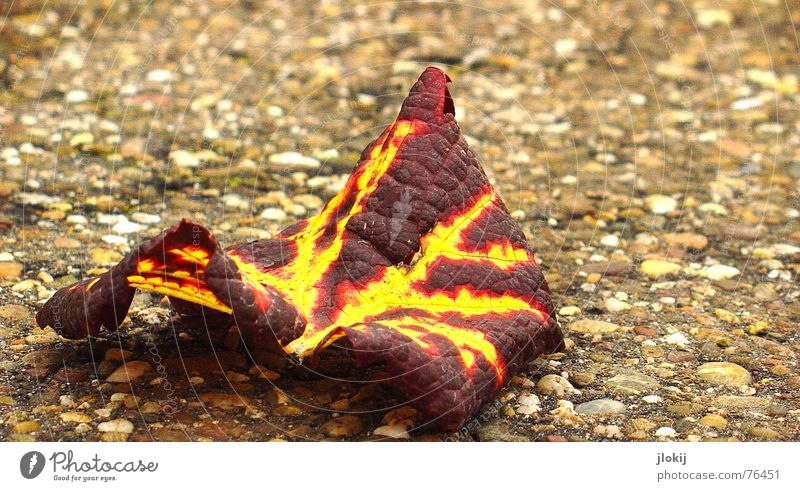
x,y
610,241
677,338
159,75
666,432
601,406
528,404
720,272
126,227
724,373
569,310
116,426
129,371
274,214
656,268
293,160
392,431
554,385
26,427
613,305
591,326
75,417
343,426
661,205
687,240
10,270
76,96
713,421
631,382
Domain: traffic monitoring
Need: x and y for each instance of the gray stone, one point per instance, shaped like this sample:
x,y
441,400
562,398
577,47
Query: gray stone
x,y
47,358
764,292
742,402
601,406
632,383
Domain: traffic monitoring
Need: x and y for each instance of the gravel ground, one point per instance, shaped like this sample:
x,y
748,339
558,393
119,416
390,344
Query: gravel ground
x,y
651,151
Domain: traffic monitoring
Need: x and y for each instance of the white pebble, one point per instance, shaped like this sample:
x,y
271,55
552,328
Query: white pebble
x,y
126,227
224,105
554,385
145,218
710,17
109,126
565,47
274,214
666,431
328,154
111,219
182,158
610,241
637,99
569,310
720,272
746,104
77,219
660,204
116,425
210,133
233,201
294,160
76,96
11,156
676,338
159,76
275,111
714,209
528,404
114,239
614,305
